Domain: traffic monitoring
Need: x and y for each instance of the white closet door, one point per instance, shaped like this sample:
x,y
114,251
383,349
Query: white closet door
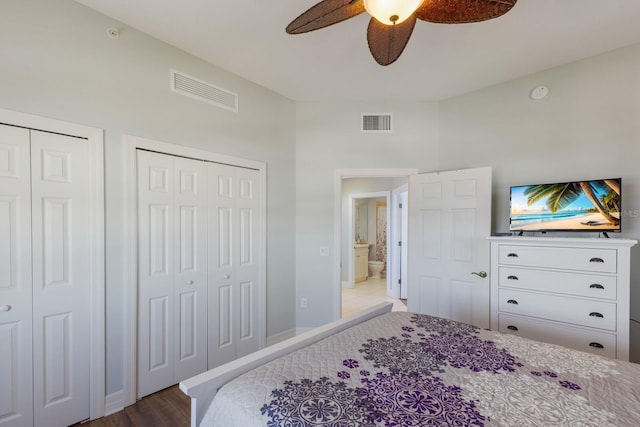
x,y
61,278
155,272
16,402
234,263
190,284
172,285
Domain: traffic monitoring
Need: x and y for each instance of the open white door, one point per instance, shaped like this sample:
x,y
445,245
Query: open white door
x,y
449,220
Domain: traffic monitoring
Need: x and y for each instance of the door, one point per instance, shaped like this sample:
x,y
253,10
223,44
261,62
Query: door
x,y
45,264
16,400
234,263
172,284
449,220
61,278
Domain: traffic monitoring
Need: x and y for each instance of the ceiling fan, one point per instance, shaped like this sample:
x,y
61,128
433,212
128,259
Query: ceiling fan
x,y
392,21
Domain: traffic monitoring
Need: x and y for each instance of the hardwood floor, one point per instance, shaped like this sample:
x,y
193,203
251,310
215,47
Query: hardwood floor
x,y
169,407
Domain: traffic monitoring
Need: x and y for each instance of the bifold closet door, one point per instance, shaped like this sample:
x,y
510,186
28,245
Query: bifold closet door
x,y
61,278
172,285
45,288
234,263
16,382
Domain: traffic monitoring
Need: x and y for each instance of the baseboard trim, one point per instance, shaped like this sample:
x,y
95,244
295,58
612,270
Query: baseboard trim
x,y
280,336
302,330
114,402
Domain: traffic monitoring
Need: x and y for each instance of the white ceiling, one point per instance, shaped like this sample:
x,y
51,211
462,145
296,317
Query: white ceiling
x,y
247,37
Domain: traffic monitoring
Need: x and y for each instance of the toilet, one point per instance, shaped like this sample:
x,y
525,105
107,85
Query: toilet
x,y
375,267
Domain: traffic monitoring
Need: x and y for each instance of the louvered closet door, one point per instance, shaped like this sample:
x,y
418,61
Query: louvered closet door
x,y
234,263
16,402
172,271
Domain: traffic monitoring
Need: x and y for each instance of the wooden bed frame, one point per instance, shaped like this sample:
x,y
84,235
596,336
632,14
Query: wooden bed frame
x,y
203,387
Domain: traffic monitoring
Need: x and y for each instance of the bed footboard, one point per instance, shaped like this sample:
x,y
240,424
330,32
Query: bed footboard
x,y
203,387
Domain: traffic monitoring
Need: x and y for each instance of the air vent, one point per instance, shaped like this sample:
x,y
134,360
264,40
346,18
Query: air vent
x,y
377,123
203,91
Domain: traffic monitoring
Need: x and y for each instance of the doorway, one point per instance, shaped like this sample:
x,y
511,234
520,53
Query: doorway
x,y
363,181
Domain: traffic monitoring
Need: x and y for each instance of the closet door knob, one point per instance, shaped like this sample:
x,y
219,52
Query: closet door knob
x,y
189,282
227,276
482,274
5,308
596,286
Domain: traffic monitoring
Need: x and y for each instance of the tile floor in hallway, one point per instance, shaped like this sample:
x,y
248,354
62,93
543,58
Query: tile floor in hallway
x,y
365,294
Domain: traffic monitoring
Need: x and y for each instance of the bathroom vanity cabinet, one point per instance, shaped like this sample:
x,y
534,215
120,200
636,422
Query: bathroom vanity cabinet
x,y
361,261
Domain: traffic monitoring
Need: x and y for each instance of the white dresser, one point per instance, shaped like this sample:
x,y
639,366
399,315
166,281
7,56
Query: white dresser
x,y
568,291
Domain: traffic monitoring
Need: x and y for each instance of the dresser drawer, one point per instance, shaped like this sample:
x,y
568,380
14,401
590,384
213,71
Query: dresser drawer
x,y
595,314
596,342
583,259
586,285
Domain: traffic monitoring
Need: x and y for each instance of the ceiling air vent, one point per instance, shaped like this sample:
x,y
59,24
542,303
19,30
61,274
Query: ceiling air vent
x,y
377,123
203,91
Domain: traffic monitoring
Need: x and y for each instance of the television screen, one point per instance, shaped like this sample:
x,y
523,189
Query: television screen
x,y
568,206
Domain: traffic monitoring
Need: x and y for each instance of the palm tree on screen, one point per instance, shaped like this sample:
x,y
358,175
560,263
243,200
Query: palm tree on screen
x,y
559,196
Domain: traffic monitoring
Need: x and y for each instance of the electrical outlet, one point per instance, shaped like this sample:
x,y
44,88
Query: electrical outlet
x,y
303,303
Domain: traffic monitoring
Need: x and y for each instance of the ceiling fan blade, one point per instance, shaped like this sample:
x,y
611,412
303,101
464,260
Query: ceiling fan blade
x,y
325,13
462,11
386,42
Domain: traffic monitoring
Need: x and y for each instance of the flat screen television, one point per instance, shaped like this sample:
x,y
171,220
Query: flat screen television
x,y
593,205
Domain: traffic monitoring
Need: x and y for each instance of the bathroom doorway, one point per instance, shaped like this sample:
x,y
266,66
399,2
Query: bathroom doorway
x,y
370,230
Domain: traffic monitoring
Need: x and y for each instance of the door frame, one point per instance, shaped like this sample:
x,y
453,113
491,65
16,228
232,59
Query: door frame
x,y
339,175
350,221
399,219
130,288
95,141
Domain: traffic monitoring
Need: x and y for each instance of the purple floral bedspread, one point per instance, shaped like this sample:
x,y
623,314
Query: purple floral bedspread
x,y
404,369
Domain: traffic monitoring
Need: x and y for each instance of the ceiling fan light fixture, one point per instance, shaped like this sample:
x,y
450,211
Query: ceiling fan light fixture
x,y
390,12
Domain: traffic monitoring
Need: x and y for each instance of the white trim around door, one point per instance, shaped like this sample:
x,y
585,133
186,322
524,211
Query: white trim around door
x,y
130,297
95,140
339,175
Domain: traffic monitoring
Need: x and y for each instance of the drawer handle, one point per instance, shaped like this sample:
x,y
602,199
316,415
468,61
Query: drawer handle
x,y
596,345
512,255
512,277
512,301
596,286
596,260
512,328
595,314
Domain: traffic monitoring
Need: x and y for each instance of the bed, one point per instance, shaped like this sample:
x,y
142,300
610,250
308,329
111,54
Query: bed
x,y
384,368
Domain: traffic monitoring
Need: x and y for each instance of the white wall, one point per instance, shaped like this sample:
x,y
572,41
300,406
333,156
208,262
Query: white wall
x,y
588,128
328,137
57,61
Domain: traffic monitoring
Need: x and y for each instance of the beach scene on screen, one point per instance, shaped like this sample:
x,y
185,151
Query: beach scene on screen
x,y
581,205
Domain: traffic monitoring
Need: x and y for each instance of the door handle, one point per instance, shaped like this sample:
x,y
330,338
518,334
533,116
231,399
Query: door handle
x,y
482,274
189,282
5,308
227,276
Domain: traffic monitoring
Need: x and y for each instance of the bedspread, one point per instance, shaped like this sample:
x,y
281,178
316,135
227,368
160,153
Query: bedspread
x,y
405,369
